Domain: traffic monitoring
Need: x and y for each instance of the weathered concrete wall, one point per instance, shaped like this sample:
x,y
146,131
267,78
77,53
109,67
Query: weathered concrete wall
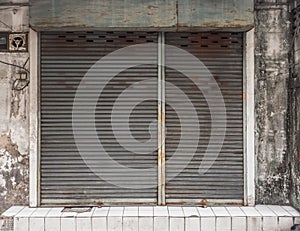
x,y
13,115
156,14
294,139
271,102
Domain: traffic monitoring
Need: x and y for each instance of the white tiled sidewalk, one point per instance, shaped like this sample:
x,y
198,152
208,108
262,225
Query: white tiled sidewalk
x,y
157,218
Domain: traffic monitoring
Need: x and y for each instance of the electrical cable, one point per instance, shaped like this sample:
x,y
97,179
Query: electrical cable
x,y
25,62
16,83
14,65
16,87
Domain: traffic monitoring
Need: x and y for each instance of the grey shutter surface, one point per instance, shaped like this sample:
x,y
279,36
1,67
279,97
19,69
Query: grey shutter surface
x,y
222,53
65,178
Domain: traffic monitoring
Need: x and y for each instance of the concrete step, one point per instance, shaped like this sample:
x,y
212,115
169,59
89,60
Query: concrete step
x,y
154,218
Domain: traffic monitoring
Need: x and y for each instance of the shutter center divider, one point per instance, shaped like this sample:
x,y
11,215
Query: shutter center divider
x,y
161,121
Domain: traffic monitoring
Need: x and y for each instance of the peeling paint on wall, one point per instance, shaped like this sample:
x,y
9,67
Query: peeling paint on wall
x,y
14,154
13,174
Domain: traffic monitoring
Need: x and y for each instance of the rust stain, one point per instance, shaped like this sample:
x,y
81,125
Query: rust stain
x,y
232,12
203,203
150,6
162,117
7,144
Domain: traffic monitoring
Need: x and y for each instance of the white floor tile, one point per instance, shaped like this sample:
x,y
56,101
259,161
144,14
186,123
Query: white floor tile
x,y
220,211
250,212
114,223
161,223
40,212
239,224
55,212
206,212
146,211
160,211
190,212
175,211
130,223
99,224
68,224
12,211
177,223
36,224
265,211
116,212
208,223
101,212
26,212
235,212
52,223
292,211
254,223
146,223
192,224
84,223
279,211
21,224
285,223
159,218
270,223
223,223
131,212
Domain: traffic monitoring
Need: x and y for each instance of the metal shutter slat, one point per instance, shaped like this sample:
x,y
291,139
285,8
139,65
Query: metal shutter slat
x,y
222,53
65,178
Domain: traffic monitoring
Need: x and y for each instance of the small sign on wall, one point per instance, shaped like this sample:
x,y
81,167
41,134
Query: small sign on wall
x,y
18,42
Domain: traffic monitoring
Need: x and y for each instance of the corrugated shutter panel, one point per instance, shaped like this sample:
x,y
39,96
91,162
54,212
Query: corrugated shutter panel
x,y
65,178
222,53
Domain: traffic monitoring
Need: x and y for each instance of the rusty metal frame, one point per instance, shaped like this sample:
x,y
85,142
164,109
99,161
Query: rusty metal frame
x,y
161,120
206,202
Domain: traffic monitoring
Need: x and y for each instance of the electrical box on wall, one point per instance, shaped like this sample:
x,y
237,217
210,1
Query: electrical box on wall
x,y
3,42
18,42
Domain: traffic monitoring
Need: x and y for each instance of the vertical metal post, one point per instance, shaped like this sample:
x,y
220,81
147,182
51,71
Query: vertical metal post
x,y
245,119
163,124
159,179
161,121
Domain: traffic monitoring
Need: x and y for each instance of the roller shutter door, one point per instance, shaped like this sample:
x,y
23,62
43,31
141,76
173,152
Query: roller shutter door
x,y
65,178
222,54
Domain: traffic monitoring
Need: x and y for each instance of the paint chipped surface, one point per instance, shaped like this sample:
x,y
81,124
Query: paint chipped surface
x,y
13,174
14,146
59,14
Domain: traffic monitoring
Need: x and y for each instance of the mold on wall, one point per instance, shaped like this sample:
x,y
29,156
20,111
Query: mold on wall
x,y
272,39
294,90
